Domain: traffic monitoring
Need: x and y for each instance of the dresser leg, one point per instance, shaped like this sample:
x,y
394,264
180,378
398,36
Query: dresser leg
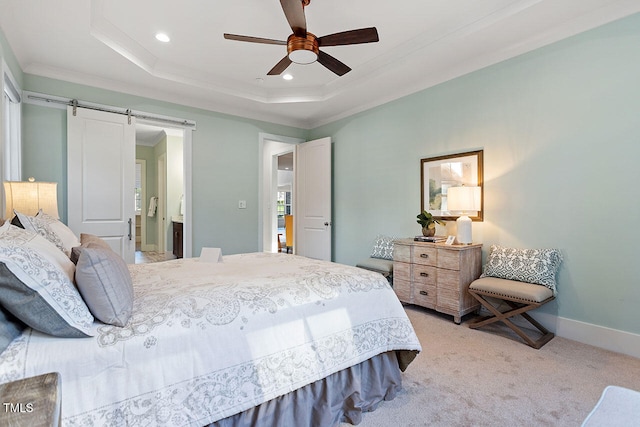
x,y
457,319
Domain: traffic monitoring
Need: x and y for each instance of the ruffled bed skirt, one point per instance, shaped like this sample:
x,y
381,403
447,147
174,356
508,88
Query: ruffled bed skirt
x,y
340,397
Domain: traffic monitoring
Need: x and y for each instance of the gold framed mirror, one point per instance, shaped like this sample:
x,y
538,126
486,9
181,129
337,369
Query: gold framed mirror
x,y
438,174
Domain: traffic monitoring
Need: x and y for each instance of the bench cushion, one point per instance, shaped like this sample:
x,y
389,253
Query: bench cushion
x,y
501,288
377,264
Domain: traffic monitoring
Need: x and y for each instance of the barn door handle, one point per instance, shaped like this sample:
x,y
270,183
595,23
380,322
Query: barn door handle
x,y
130,222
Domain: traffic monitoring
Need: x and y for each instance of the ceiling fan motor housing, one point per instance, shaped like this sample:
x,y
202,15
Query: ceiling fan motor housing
x,y
302,50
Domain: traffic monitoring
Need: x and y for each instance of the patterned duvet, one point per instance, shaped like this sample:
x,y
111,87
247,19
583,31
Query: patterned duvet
x,y
209,340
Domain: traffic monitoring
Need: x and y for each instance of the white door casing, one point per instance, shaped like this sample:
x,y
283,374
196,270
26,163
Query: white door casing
x,y
312,212
160,211
101,177
270,147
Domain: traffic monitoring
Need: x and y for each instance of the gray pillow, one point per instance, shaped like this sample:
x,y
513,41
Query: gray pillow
x,y
10,327
86,239
105,284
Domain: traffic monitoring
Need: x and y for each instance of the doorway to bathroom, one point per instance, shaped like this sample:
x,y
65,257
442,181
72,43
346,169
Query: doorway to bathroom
x,y
160,189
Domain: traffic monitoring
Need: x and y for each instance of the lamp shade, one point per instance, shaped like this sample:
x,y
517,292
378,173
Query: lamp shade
x,y
464,199
29,197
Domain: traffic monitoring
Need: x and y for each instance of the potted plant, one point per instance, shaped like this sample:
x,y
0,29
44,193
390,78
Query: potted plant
x,y
428,223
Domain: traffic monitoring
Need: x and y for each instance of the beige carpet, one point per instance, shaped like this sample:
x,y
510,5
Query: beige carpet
x,y
466,377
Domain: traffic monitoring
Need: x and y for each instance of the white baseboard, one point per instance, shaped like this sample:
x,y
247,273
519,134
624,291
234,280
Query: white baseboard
x,y
588,333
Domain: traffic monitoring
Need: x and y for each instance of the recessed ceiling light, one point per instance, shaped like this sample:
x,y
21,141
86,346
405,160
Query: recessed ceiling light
x,y
163,38
287,77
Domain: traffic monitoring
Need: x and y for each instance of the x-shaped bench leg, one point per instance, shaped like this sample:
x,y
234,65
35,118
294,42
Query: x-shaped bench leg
x,y
516,309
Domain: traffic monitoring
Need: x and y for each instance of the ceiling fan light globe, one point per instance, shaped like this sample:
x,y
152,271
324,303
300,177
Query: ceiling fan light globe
x,y
303,56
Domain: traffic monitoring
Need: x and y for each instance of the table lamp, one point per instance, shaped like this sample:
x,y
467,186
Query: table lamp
x,y
28,197
465,200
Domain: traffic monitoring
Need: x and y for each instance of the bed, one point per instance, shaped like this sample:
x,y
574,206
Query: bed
x,y
252,339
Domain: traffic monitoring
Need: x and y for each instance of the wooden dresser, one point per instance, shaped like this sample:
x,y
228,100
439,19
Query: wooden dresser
x,y
436,276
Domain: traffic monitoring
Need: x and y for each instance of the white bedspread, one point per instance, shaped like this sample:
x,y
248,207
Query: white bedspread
x,y
210,340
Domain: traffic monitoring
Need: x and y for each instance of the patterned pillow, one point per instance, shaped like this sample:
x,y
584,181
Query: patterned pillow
x,y
537,266
50,228
383,247
36,285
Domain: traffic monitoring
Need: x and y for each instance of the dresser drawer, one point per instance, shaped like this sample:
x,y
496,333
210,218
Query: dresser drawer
x,y
448,300
424,274
401,253
424,295
449,279
402,288
449,259
402,271
425,255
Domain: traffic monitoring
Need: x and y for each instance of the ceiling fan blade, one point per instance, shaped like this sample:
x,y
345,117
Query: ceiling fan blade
x,y
363,35
251,39
333,64
294,11
280,66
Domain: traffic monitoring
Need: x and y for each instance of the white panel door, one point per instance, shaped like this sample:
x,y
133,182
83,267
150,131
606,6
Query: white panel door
x,y
312,215
101,177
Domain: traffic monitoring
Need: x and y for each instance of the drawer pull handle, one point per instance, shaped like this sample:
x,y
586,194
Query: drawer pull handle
x,y
424,255
425,293
424,274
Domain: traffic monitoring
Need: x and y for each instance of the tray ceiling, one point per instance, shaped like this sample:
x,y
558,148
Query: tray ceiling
x,y
111,44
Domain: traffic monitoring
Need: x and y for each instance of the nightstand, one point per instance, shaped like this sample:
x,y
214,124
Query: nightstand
x,y
436,275
31,402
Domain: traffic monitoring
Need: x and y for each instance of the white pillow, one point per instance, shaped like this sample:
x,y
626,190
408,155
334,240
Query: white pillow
x,y
537,266
36,285
51,229
383,247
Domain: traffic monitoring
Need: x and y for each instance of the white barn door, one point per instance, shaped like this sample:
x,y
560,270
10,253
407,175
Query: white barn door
x,y
101,177
312,214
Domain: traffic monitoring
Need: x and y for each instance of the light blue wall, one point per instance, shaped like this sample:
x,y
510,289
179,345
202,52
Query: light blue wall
x,y
224,162
560,129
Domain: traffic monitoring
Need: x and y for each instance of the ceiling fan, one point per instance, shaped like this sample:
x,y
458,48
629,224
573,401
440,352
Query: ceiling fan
x,y
303,47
